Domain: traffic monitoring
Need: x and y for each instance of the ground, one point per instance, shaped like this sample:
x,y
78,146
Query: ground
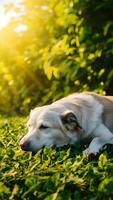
x,y
53,173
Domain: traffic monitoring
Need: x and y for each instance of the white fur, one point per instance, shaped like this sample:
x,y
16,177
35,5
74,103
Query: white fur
x,y
88,109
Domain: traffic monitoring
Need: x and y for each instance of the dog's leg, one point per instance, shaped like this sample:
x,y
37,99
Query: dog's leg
x,y
102,136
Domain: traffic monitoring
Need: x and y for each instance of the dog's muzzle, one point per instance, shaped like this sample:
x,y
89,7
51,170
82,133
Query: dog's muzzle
x,y
25,145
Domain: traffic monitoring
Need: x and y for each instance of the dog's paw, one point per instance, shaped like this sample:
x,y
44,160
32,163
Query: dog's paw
x,y
88,153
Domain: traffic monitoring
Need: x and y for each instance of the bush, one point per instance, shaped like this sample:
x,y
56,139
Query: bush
x,y
67,47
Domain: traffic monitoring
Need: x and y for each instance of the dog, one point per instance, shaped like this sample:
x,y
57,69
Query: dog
x,y
77,118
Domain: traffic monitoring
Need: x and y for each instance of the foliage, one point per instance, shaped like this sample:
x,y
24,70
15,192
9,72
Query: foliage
x,y
66,46
53,173
51,49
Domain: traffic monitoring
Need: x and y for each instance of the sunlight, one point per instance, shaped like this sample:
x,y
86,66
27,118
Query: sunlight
x,y
20,28
3,20
5,17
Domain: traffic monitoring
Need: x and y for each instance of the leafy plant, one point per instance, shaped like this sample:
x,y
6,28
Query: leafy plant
x,y
67,46
53,173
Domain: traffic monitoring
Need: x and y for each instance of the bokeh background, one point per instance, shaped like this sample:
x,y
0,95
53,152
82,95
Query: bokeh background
x,y
49,49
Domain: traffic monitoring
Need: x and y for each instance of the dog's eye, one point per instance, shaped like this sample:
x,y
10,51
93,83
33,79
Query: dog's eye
x,y
43,126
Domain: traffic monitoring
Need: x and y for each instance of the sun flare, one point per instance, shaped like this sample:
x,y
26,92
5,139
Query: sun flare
x,y
6,16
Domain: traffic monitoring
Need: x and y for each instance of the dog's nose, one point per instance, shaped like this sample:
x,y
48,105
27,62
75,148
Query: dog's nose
x,y
25,145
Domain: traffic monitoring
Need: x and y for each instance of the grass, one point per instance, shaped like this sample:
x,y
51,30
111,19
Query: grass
x,y
53,173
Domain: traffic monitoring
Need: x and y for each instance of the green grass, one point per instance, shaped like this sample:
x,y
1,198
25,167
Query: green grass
x,y
53,173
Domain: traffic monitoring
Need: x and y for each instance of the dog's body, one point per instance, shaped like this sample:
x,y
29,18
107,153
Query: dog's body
x,y
77,118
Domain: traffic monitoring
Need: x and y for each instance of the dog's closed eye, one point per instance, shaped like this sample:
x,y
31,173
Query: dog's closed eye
x,y
42,126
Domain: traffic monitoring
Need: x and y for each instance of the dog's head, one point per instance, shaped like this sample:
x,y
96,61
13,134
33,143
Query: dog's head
x,y
48,126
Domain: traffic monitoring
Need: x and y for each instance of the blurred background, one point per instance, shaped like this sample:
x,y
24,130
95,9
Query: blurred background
x,y
49,49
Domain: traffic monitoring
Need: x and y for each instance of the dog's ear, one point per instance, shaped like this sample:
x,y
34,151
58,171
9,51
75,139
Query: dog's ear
x,y
70,121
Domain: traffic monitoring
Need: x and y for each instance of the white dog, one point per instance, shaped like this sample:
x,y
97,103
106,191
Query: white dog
x,y
77,118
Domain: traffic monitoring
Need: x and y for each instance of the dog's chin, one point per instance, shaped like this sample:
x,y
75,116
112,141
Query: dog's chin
x,y
53,146
35,151
32,151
